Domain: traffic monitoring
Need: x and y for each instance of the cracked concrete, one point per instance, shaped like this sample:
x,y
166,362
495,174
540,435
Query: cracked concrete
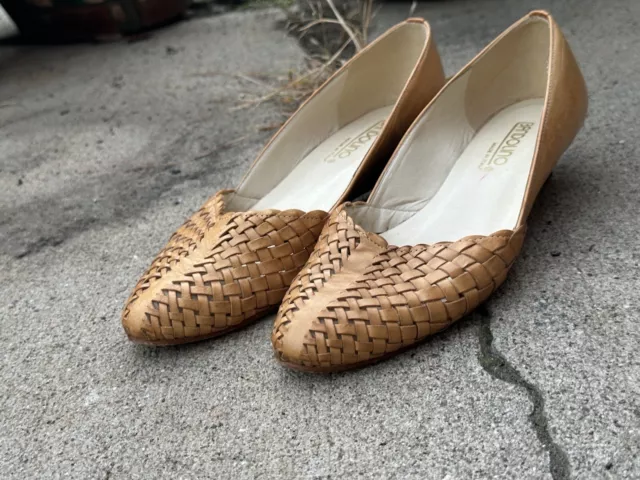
x,y
106,149
498,367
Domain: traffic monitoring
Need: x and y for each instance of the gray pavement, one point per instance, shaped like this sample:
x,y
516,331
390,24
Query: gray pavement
x,y
106,149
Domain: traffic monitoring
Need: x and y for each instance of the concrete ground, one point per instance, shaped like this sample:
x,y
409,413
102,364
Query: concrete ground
x,y
106,149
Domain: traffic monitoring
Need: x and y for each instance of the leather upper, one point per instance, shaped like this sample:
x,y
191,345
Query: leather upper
x,y
359,299
566,104
229,265
539,63
219,271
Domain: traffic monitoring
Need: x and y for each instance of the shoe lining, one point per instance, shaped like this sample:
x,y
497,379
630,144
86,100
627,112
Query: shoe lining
x,y
483,191
319,179
374,79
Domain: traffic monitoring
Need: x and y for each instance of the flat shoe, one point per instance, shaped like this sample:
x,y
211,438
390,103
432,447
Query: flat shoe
x,y
457,191
233,260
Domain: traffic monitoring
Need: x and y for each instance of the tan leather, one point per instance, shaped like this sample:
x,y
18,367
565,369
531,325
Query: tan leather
x,y
228,265
359,299
565,109
218,272
500,74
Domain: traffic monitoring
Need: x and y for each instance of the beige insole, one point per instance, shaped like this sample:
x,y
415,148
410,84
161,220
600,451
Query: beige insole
x,y
483,192
319,179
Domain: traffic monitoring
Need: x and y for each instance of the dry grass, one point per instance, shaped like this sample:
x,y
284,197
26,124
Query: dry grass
x,y
331,32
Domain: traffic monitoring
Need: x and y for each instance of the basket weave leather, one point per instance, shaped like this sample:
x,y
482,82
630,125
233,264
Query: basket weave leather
x,y
358,299
219,271
224,269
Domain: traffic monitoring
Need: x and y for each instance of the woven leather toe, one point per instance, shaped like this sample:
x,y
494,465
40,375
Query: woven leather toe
x,y
381,299
218,272
463,170
342,252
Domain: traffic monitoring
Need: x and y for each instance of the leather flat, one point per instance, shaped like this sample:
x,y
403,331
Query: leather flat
x,y
456,193
232,261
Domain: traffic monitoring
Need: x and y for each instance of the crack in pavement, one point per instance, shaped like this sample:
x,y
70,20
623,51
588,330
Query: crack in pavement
x,y
494,363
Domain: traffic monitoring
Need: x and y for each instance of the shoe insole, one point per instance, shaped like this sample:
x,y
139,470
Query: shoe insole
x,y
319,179
484,190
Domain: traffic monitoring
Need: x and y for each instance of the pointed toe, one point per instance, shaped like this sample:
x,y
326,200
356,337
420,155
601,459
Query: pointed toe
x,y
288,344
155,314
136,324
359,300
219,272
301,338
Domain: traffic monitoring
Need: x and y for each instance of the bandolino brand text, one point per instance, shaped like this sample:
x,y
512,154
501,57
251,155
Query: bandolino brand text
x,y
499,154
346,148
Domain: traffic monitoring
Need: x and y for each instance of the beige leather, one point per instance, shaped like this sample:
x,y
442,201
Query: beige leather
x,y
360,299
230,264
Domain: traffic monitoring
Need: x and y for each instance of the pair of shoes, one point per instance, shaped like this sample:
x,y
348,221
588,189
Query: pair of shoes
x,y
453,171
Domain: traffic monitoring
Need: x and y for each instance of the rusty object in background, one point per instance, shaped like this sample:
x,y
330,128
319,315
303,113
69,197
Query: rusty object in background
x,y
90,19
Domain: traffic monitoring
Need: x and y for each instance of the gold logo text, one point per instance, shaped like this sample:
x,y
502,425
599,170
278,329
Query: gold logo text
x,y
499,153
350,145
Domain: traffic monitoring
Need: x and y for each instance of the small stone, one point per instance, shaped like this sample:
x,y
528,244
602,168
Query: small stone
x,y
555,254
64,112
117,82
175,171
20,182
